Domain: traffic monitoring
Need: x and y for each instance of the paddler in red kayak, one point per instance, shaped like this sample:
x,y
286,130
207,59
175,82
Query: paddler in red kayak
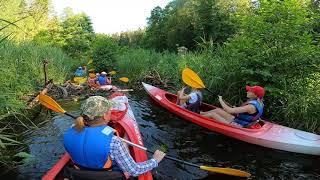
x,y
104,82
191,101
241,116
92,144
92,80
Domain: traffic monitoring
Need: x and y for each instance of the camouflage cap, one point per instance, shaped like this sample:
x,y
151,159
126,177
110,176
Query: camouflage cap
x,y
95,106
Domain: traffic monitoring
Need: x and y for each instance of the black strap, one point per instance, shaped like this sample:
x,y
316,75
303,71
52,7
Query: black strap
x,y
252,123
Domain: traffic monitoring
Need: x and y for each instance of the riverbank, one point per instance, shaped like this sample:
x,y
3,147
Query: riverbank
x,y
22,72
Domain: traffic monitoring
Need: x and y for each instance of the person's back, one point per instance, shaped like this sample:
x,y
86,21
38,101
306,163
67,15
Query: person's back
x,y
79,72
102,80
92,145
94,154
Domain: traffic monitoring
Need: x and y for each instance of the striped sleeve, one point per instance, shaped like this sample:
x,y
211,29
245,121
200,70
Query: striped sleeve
x,y
120,154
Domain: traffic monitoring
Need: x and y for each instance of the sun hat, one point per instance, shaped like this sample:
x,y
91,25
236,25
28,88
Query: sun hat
x,y
257,90
95,106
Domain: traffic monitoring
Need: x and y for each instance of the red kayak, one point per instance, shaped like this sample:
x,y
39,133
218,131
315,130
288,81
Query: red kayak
x,y
125,123
268,135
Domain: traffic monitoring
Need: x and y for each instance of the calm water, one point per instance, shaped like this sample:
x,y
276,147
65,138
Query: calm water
x,y
184,140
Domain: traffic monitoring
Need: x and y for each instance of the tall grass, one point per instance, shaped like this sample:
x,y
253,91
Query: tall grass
x,y
137,63
220,70
21,72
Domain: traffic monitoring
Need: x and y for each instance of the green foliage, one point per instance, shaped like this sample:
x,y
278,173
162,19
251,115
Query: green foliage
x,y
26,157
133,39
104,50
274,49
22,67
51,36
28,18
184,23
77,34
274,46
74,34
139,63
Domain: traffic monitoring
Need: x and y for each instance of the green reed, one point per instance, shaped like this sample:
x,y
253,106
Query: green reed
x,y
22,76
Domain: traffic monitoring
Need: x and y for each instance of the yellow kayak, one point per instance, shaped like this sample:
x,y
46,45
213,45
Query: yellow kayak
x,y
80,80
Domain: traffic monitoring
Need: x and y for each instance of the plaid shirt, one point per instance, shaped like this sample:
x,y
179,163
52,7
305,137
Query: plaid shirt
x,y
120,154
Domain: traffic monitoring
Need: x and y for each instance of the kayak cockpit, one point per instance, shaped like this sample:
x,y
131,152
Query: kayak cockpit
x,y
207,107
70,172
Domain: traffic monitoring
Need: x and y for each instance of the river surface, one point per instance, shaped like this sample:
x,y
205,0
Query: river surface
x,y
183,139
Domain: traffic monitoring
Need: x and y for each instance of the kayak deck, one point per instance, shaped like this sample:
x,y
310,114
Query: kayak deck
x,y
269,135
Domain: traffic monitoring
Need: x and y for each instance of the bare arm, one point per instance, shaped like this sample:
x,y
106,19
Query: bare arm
x,y
181,95
235,110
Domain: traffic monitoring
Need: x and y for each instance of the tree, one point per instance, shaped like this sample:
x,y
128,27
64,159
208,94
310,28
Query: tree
x,y
77,33
22,19
104,50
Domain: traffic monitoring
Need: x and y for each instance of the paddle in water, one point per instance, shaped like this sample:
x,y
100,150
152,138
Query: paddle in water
x,y
123,79
53,105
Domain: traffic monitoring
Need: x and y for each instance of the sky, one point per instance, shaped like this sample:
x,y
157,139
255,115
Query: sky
x,y
111,16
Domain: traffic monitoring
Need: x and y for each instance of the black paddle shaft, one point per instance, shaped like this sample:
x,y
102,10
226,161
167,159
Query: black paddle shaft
x,y
70,115
177,160
209,91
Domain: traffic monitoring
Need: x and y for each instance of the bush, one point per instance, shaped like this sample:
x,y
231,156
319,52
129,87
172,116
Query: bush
x,y
104,50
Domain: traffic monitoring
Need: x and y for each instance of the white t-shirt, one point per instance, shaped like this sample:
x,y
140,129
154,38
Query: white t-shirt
x,y
193,97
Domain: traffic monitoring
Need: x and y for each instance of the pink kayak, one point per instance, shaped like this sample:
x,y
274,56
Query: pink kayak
x,y
125,123
269,135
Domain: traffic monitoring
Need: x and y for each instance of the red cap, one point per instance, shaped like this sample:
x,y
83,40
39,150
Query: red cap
x,y
257,90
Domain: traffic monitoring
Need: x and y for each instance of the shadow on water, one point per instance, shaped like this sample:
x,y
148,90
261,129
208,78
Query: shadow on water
x,y
183,140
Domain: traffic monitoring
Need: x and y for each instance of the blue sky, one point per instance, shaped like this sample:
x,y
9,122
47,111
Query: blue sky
x,y
111,16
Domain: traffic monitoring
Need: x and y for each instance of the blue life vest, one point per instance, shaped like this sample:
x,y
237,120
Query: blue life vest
x,y
246,118
102,80
79,73
89,148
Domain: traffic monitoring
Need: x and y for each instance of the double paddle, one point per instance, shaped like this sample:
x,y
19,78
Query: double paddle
x,y
123,79
53,105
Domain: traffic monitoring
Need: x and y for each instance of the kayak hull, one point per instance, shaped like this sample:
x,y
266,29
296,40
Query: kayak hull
x,y
131,130
269,135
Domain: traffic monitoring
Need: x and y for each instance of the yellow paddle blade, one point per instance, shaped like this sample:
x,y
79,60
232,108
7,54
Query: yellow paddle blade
x,y
50,103
80,80
192,79
124,79
228,171
112,72
90,61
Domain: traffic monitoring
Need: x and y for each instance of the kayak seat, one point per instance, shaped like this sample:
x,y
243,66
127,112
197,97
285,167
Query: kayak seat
x,y
69,172
257,124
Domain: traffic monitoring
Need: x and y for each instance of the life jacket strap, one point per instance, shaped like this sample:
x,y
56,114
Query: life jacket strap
x,y
108,163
